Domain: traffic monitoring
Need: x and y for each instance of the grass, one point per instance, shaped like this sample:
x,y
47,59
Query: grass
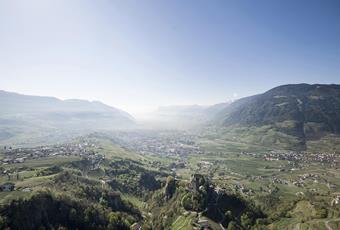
x,y
223,154
6,197
254,139
330,143
34,182
183,222
109,150
237,169
334,224
27,177
304,209
135,201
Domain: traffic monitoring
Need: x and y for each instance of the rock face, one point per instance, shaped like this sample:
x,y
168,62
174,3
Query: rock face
x,y
170,187
197,181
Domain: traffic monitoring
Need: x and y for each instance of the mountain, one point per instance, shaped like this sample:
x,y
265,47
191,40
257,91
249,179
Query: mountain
x,y
213,110
21,114
300,111
186,116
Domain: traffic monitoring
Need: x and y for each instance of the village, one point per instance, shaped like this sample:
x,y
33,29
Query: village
x,y
20,155
165,144
333,159
16,156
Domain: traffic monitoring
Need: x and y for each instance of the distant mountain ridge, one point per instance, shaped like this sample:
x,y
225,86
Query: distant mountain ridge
x,y
19,103
186,116
300,110
21,113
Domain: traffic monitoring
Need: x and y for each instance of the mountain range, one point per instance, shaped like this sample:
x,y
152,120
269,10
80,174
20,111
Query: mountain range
x,y
295,116
184,116
23,115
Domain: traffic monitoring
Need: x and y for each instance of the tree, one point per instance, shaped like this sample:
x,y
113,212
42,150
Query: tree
x,y
232,226
116,221
245,220
73,215
186,202
170,187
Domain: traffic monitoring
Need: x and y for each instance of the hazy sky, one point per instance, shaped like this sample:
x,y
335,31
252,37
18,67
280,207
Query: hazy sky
x,y
137,55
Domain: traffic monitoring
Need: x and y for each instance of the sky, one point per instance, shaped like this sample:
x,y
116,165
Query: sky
x,y
138,55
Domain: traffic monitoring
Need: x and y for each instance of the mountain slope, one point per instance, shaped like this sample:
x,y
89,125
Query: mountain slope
x,y
306,112
13,103
22,114
186,116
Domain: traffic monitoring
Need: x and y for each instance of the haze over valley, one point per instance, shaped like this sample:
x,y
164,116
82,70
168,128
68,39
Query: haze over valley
x,y
296,117
181,115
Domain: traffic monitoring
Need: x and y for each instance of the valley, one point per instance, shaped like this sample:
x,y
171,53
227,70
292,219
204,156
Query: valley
x,y
269,161
175,179
170,115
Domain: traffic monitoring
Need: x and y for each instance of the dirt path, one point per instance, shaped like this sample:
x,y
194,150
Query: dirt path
x,y
327,223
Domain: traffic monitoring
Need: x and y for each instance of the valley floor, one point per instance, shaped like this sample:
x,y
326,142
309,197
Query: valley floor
x,y
292,190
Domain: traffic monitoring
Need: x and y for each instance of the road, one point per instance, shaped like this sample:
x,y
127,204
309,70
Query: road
x,y
327,223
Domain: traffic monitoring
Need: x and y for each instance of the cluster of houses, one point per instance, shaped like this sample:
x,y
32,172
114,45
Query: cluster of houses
x,y
178,164
276,180
312,177
326,158
249,154
82,149
166,144
20,155
303,179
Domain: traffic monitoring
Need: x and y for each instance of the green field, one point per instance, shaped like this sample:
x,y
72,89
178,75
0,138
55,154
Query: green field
x,y
183,222
286,205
